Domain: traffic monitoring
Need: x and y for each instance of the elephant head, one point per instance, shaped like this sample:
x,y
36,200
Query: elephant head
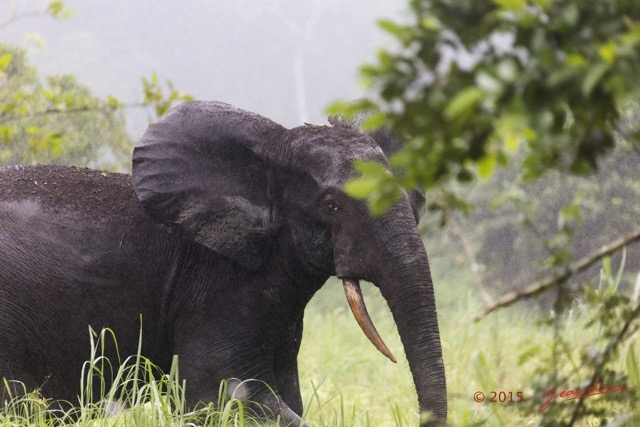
x,y
260,194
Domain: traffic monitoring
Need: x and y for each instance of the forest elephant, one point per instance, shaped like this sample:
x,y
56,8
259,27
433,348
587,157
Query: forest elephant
x,y
210,249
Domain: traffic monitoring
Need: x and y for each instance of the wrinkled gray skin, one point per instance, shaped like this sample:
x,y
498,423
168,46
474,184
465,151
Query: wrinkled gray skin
x,y
227,227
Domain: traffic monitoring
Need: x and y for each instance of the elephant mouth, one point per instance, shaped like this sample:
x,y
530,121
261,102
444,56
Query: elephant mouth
x,y
359,309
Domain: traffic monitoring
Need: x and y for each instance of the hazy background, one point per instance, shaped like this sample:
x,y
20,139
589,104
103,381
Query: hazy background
x,y
286,59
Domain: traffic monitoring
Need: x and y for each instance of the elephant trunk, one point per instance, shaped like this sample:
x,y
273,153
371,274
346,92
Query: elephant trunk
x,y
408,290
403,276
414,312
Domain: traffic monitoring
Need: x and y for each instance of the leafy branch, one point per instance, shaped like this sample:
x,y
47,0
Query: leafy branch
x,y
27,102
470,83
55,9
155,97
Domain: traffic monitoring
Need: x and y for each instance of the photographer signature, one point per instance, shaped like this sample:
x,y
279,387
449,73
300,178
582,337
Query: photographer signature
x,y
594,390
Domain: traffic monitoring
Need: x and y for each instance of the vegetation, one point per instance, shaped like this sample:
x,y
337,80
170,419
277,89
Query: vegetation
x,y
508,352
139,395
521,120
470,82
42,118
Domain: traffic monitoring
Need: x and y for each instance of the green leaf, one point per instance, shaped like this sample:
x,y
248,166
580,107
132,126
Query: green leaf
x,y
511,5
403,158
571,14
341,108
571,213
6,133
531,352
113,102
69,99
576,60
403,33
618,278
487,165
606,266
48,94
380,202
515,196
633,367
361,187
594,76
463,102
53,141
374,121
55,7
430,23
32,130
561,77
5,60
369,167
511,143
608,52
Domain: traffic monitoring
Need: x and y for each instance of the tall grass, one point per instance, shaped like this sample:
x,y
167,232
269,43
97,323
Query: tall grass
x,y
348,383
133,392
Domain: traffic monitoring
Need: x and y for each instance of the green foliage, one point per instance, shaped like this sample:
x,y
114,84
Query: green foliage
x,y
471,81
508,352
56,119
375,182
155,96
60,121
129,392
606,362
57,9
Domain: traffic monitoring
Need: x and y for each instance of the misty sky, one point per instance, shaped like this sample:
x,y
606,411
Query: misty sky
x,y
286,59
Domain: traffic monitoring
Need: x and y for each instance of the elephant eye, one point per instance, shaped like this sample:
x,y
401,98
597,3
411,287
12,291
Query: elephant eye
x,y
332,206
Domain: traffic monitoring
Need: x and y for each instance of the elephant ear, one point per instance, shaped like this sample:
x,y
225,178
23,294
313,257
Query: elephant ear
x,y
389,145
199,171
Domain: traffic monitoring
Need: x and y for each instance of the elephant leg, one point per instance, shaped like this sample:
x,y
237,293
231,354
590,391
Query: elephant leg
x,y
289,387
286,367
247,368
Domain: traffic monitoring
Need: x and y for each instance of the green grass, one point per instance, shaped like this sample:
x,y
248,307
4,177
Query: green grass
x,y
140,395
346,382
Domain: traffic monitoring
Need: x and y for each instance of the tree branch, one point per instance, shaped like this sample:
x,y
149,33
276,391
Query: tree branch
x,y
554,280
102,108
15,18
54,9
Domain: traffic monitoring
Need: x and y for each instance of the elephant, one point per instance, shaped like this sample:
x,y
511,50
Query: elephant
x,y
210,250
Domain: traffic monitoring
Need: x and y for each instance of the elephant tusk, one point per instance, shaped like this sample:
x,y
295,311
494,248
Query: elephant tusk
x,y
359,310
